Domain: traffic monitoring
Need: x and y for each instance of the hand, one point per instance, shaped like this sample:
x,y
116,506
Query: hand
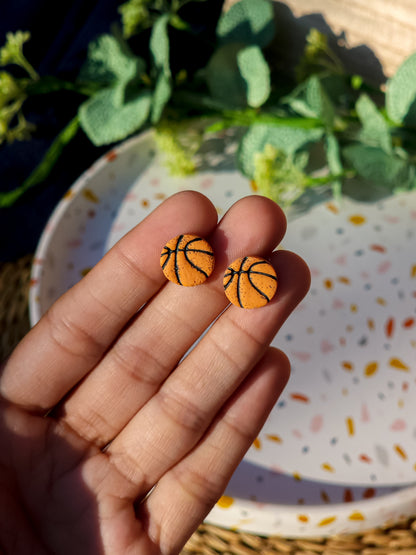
x,y
98,407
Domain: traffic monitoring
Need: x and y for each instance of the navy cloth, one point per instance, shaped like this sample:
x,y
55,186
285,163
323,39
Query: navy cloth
x,y
60,34
61,31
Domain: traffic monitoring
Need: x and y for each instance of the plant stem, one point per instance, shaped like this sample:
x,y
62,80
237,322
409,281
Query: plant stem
x,y
49,84
325,179
44,168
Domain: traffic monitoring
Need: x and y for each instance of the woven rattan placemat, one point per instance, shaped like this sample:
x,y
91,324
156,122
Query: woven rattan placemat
x,y
210,540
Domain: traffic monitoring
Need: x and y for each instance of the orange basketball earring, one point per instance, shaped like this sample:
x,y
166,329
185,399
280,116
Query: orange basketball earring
x,y
250,282
187,260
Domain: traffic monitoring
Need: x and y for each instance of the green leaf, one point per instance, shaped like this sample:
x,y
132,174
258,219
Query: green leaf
x,y
287,139
104,121
375,130
159,44
256,74
110,60
161,96
378,166
401,93
333,156
224,78
247,21
311,100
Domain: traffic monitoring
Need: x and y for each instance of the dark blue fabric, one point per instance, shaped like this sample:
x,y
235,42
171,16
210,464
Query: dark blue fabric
x,y
61,31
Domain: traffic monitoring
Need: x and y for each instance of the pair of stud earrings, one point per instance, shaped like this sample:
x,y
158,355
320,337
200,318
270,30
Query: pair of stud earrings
x,y
249,282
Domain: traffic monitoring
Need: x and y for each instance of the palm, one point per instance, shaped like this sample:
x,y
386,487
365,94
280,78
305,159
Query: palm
x,y
62,494
110,441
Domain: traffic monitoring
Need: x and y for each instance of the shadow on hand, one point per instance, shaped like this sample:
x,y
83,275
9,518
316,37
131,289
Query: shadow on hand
x,y
46,506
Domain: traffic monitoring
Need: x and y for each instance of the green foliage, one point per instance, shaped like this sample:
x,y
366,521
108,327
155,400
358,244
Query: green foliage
x,y
179,144
110,61
13,124
159,49
238,74
161,96
247,22
334,161
105,120
287,139
256,75
380,167
225,82
317,57
311,100
12,52
401,93
355,129
280,176
121,107
375,130
43,169
135,15
159,44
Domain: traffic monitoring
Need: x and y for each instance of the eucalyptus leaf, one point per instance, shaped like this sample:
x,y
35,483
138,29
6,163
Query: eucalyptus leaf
x,y
161,96
338,89
333,156
110,60
319,101
375,130
224,79
247,21
159,44
376,165
105,122
311,100
256,74
288,139
401,93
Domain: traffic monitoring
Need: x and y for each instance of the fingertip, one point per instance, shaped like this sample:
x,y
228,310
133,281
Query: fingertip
x,y
270,211
194,199
280,361
188,211
254,225
293,274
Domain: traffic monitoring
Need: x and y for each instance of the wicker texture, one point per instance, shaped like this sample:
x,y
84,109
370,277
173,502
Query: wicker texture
x,y
14,315
398,538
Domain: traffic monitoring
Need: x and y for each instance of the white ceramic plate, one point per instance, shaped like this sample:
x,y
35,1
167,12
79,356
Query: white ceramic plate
x,y
339,450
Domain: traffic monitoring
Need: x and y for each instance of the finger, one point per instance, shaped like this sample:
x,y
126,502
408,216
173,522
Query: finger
x,y
189,490
175,419
71,338
152,346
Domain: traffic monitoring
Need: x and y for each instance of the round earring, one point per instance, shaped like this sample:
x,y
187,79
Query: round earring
x,y
250,282
187,260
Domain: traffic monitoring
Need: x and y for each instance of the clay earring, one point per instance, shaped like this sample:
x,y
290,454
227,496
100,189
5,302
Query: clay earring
x,y
187,260
250,282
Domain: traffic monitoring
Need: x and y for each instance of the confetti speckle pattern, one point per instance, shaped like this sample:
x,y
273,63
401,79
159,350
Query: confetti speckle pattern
x,y
356,374
339,449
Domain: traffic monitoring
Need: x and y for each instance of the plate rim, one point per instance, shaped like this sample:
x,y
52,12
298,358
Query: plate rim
x,y
405,496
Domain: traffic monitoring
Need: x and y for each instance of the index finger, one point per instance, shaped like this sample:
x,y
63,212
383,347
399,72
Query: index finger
x,y
78,329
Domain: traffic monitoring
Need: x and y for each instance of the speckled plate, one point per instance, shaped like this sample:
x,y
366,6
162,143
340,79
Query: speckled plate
x,y
338,452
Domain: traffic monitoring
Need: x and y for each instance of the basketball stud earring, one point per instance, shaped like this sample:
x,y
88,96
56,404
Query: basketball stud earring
x,y
187,260
250,282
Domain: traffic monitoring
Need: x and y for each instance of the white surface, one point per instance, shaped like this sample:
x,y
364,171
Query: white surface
x,y
339,448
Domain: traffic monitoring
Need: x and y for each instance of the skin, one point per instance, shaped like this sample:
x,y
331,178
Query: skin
x,y
97,407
